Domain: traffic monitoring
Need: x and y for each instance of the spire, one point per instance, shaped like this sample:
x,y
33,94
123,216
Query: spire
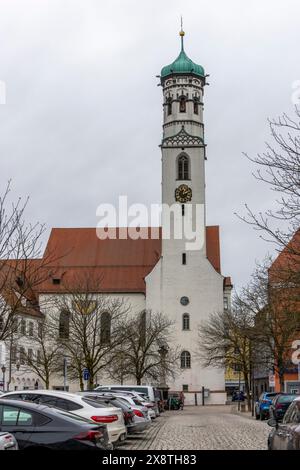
x,y
181,34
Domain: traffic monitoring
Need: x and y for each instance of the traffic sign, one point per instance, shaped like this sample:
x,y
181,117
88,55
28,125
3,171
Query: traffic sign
x,y
86,374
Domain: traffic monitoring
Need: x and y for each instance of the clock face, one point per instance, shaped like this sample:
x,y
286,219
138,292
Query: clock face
x,y
183,193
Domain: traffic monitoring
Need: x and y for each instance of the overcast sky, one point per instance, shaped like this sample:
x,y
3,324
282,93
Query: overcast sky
x,y
83,113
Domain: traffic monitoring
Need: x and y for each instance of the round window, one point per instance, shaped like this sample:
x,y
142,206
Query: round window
x,y
184,301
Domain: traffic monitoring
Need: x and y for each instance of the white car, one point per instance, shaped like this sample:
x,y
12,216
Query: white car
x,y
139,410
8,441
78,405
139,400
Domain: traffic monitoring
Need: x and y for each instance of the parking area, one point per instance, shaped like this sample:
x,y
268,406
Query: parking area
x,y
201,428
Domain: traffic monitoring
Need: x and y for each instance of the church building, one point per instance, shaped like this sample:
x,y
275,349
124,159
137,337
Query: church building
x,y
164,273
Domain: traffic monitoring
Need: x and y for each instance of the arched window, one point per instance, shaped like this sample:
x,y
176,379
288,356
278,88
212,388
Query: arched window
x,y
64,324
169,106
182,104
185,321
183,168
185,360
105,327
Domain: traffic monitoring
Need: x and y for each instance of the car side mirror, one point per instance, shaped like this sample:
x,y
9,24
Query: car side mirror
x,y
273,423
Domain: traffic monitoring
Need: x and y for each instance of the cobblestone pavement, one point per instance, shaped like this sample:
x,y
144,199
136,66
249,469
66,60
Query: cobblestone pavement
x,y
208,428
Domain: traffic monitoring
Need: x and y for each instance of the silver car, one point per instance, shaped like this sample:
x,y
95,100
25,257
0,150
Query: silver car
x,y
8,441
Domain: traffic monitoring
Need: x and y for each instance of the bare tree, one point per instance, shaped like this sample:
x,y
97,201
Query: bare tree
x,y
22,269
44,357
224,341
141,344
275,306
279,168
90,327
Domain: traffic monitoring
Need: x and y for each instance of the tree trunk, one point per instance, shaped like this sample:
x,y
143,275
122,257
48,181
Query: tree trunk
x,y
281,377
91,382
281,381
81,383
47,381
247,388
138,380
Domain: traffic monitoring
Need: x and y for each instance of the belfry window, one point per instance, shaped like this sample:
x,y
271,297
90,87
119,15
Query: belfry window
x,y
183,172
182,104
185,321
169,106
196,107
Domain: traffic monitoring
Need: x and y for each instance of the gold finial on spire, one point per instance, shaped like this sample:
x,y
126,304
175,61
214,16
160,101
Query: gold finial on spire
x,y
181,32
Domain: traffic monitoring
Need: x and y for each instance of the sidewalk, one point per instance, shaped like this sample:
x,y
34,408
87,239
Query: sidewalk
x,y
246,414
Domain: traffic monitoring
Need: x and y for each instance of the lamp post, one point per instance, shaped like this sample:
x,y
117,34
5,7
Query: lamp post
x,y
163,351
3,368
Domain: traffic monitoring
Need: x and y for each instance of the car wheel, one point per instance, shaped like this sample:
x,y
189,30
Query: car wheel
x,y
261,416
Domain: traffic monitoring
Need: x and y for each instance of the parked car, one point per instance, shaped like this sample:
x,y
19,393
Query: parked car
x,y
263,404
141,412
152,393
8,441
35,426
286,435
133,425
280,405
140,400
81,406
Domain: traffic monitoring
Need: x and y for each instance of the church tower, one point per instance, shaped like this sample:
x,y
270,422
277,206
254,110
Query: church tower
x,y
183,153
184,285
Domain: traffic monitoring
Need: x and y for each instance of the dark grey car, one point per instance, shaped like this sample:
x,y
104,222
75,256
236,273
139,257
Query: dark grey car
x,y
286,435
41,426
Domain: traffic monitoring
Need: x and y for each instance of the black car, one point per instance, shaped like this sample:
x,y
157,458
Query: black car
x,y
286,435
41,426
280,405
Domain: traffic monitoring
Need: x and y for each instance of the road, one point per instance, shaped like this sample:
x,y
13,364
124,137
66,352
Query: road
x,y
197,428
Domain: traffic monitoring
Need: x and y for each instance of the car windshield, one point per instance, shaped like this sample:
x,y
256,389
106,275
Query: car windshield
x,y
270,395
286,398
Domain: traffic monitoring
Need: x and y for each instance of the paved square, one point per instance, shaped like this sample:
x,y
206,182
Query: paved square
x,y
202,428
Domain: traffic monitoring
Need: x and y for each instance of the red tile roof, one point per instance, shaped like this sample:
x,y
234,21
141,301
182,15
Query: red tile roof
x,y
112,265
287,264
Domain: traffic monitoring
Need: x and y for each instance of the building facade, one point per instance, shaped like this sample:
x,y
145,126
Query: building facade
x,y
178,275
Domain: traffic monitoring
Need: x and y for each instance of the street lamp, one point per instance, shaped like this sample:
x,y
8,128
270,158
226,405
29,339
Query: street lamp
x,y
3,368
163,351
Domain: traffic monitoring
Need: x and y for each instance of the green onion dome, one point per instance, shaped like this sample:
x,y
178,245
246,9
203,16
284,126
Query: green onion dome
x,y
182,65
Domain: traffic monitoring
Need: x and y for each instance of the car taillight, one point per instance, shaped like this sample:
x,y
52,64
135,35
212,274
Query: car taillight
x,y
138,413
265,401
149,405
105,419
89,436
